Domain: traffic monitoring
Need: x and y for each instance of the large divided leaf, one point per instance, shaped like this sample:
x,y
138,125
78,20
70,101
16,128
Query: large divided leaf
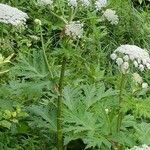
x,y
80,120
31,66
44,113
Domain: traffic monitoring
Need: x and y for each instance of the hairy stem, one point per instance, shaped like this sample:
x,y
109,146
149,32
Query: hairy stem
x,y
59,107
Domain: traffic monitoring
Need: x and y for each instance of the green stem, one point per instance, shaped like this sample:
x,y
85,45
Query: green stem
x,y
59,17
59,107
44,53
120,115
72,14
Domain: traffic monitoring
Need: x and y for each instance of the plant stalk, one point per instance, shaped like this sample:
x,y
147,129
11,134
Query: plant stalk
x,y
44,53
120,115
59,17
59,107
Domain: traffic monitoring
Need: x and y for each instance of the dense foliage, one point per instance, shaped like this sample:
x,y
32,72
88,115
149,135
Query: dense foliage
x,y
41,65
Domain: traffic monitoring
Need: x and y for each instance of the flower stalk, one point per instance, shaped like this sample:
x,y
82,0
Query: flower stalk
x,y
59,106
44,52
120,115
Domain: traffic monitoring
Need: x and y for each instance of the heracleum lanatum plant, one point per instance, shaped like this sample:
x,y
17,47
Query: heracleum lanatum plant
x,y
125,57
62,64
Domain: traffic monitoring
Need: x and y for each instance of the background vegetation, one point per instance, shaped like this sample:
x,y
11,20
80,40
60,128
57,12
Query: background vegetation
x,y
29,91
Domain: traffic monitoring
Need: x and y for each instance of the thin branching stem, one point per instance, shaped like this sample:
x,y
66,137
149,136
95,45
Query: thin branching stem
x,y
44,53
120,101
59,17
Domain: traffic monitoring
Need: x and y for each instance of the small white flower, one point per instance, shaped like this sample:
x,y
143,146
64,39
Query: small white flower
x,y
100,4
124,67
139,60
126,58
72,3
113,56
141,67
119,61
12,15
111,16
137,78
144,85
144,62
131,57
148,65
74,29
85,2
44,2
135,63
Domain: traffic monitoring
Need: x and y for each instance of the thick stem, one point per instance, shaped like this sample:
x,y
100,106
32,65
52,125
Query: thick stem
x,y
59,107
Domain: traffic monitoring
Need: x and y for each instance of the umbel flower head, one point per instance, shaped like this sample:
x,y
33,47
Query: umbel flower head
x,y
133,55
44,2
143,147
11,15
74,29
111,16
99,4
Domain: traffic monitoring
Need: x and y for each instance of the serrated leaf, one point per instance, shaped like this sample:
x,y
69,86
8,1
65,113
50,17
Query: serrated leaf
x,y
143,133
31,66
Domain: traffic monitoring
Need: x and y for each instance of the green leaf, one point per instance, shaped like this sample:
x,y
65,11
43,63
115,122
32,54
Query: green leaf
x,y
31,66
45,114
143,133
5,123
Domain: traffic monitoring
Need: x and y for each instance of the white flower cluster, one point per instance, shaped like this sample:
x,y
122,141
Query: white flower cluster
x,y
85,2
72,3
100,4
111,16
131,53
143,147
139,80
74,29
11,15
44,2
